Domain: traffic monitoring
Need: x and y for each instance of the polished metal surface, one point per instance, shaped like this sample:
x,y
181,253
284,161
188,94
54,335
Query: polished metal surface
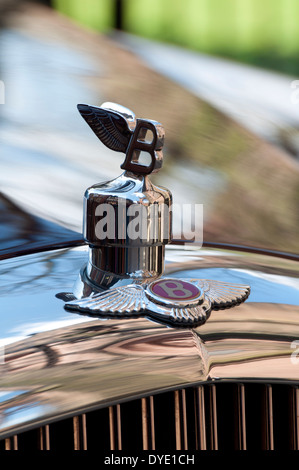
x,y
122,199
175,301
118,129
127,221
130,263
126,255
56,363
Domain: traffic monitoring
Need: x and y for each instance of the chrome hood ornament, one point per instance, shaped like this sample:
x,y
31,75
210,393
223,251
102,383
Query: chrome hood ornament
x,y
174,301
127,223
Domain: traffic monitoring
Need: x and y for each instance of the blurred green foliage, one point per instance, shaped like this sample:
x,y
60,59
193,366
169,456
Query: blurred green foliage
x,y
260,32
95,14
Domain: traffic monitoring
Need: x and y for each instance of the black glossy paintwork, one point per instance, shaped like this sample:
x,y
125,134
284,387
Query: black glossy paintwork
x,y
22,233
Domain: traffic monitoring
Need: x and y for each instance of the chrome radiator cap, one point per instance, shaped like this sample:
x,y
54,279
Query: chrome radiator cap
x,y
127,223
126,220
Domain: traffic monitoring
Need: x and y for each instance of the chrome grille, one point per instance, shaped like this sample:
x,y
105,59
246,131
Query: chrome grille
x,y
223,416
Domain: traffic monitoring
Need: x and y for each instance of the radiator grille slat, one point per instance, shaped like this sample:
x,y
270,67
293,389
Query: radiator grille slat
x,y
200,419
180,420
241,443
294,415
148,423
213,418
44,438
207,417
80,432
268,434
11,443
115,427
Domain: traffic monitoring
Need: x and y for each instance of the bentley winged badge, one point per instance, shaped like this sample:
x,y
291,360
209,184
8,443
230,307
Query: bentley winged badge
x,y
127,223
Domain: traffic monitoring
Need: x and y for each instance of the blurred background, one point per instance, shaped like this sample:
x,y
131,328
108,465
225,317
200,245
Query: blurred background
x,y
221,75
259,32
